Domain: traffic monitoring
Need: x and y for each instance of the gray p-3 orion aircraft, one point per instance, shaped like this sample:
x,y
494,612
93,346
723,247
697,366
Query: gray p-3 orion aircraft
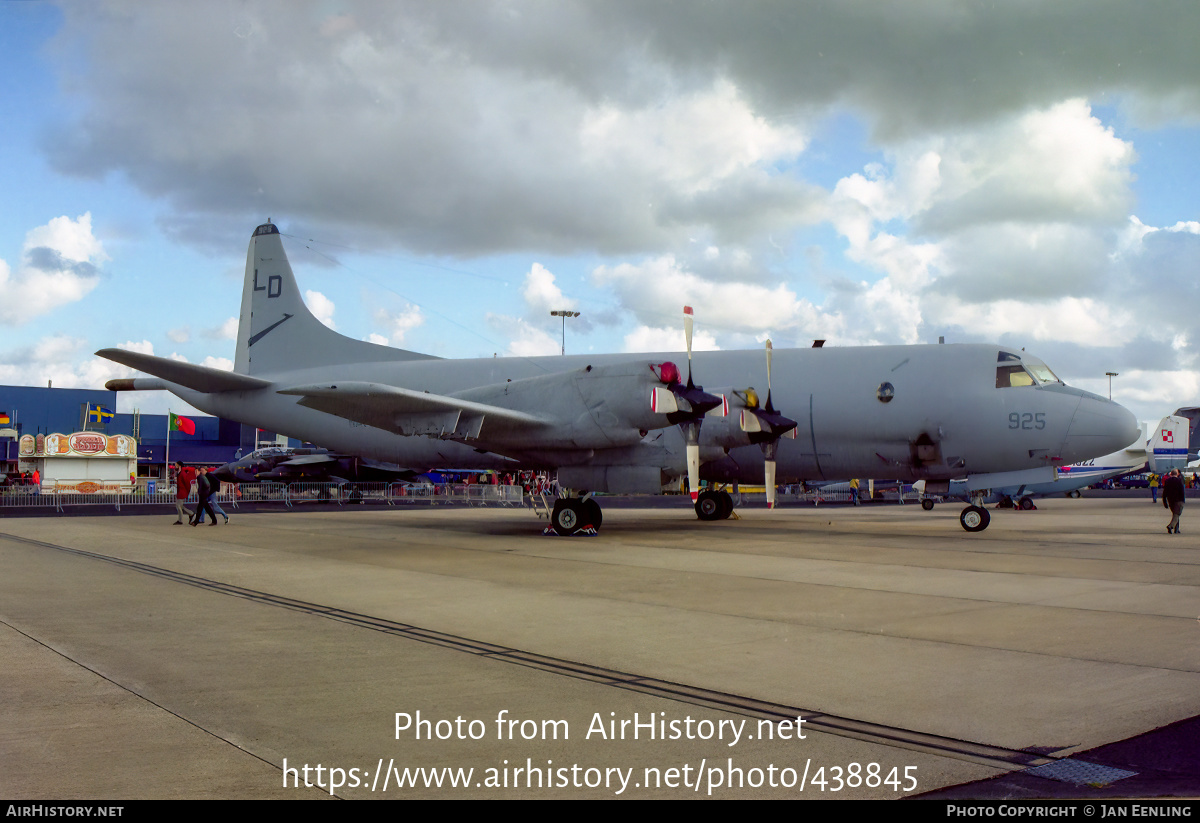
x,y
630,423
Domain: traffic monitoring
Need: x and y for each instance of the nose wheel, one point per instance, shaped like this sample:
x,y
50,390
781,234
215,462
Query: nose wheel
x,y
974,518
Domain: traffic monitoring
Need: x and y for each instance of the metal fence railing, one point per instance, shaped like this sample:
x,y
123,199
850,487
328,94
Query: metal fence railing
x,y
15,496
286,494
291,495
816,497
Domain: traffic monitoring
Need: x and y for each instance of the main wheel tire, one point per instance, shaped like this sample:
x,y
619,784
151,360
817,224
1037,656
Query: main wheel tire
x,y
708,506
974,518
1027,503
1075,493
927,504
566,516
726,505
591,514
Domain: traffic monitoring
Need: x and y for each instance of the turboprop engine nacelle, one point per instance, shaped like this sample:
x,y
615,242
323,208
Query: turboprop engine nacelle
x,y
596,407
744,423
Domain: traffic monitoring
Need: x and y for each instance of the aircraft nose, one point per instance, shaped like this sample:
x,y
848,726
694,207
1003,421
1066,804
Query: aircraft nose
x,y
1099,427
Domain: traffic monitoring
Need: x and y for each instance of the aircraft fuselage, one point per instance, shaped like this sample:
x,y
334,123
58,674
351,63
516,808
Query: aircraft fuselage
x,y
943,415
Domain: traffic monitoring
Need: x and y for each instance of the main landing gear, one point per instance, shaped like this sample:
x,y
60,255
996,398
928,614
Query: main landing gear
x,y
714,505
572,515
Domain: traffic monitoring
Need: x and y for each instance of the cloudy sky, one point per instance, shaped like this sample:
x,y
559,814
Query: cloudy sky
x,y
446,173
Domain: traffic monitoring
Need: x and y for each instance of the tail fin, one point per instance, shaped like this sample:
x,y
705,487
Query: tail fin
x,y
1192,413
277,332
1168,447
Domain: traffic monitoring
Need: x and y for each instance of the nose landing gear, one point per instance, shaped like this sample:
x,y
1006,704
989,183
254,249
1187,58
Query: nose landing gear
x,y
975,518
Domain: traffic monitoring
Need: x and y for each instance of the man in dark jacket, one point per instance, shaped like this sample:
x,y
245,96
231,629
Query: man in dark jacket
x,y
1173,497
204,490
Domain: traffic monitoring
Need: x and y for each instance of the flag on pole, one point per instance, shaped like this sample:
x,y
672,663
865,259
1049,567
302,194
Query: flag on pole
x,y
182,424
98,414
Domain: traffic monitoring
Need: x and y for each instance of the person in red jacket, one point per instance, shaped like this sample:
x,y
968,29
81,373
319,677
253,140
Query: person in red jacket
x,y
183,487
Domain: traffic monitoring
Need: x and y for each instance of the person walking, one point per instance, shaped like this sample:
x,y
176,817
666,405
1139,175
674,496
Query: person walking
x,y
214,486
203,492
1173,497
183,487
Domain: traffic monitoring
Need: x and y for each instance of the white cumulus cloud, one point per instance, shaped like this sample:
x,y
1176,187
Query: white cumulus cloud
x,y
58,267
321,307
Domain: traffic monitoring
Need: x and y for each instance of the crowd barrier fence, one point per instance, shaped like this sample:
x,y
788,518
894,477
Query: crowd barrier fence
x,y
287,494
291,495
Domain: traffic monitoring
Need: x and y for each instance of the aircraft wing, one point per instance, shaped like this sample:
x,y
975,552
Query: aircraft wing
x,y
310,460
409,412
197,378
997,480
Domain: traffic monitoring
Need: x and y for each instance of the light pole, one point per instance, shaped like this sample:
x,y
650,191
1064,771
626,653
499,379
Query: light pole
x,y
564,314
1111,375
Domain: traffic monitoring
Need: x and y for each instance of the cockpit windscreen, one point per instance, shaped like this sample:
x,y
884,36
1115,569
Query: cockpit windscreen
x,y
1016,370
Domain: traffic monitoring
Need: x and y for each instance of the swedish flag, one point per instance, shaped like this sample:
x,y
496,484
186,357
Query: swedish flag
x,y
98,414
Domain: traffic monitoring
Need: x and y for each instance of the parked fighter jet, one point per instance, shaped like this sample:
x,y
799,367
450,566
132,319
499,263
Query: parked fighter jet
x,y
628,423
1158,452
280,464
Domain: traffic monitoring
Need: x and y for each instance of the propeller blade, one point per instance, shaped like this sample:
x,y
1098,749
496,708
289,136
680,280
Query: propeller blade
x,y
778,426
770,349
687,336
699,403
693,467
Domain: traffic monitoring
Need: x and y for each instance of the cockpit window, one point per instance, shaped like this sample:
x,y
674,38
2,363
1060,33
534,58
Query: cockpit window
x,y
1022,370
1042,373
1009,376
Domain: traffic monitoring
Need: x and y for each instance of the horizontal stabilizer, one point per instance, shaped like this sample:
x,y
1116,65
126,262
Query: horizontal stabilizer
x,y
409,412
197,378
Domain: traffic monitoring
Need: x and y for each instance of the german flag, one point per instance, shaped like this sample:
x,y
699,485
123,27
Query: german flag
x,y
5,420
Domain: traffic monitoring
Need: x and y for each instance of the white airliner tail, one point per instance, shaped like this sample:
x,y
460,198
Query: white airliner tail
x,y
276,330
1167,448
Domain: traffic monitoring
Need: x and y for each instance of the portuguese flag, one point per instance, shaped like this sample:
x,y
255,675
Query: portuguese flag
x,y
182,424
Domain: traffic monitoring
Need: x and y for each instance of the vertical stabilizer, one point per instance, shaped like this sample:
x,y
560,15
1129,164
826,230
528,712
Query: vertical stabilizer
x,y
1192,413
1168,447
277,332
